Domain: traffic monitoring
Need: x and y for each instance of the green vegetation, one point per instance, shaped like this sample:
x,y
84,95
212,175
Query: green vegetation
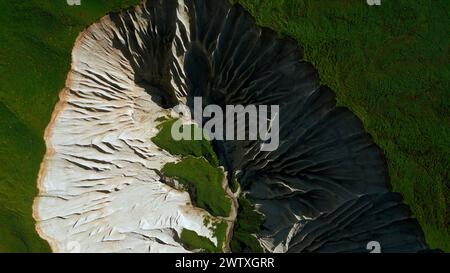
x,y
18,168
35,50
220,232
390,65
248,223
195,148
198,171
192,241
234,185
203,182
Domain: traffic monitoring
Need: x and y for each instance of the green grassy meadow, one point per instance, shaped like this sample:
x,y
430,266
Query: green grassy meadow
x,y
198,171
248,222
203,182
389,64
193,241
183,147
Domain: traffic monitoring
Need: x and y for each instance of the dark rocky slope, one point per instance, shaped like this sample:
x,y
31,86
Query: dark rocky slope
x,y
326,188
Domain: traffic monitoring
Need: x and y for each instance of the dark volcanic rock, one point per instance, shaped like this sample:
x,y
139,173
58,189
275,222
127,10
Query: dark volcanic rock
x,y
326,188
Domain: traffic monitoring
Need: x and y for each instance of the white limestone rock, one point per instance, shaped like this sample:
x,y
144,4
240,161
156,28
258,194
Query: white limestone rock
x,y
98,189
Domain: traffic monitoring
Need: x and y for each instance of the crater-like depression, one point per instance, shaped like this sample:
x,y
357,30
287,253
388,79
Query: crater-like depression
x,y
107,184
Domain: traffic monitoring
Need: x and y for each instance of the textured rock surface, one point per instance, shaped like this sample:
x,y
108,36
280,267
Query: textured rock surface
x,y
326,189
98,187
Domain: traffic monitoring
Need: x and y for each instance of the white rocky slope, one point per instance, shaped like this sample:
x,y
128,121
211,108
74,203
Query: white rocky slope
x,y
98,191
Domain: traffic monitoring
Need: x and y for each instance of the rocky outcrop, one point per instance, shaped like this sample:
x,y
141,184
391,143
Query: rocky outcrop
x,y
99,185
325,189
